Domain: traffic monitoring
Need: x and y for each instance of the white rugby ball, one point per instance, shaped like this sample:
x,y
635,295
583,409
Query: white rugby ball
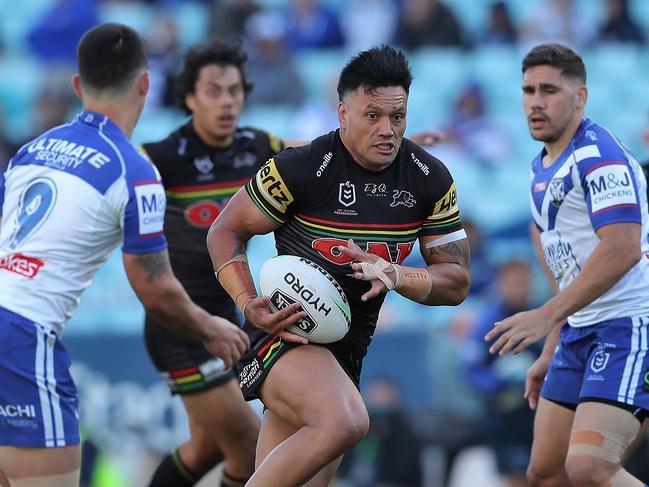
x,y
287,279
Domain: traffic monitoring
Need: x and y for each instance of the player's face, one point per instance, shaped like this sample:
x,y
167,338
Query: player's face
x,y
372,124
216,103
551,102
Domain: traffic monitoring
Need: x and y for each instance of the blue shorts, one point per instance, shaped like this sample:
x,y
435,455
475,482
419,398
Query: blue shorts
x,y
607,362
38,398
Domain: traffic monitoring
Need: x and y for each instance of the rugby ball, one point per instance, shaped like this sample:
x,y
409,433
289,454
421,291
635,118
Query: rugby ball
x,y
287,279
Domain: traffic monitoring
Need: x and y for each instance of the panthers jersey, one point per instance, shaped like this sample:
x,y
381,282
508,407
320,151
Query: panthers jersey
x,y
594,183
199,181
322,197
68,198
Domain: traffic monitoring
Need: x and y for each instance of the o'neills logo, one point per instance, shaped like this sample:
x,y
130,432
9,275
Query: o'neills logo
x,y
21,264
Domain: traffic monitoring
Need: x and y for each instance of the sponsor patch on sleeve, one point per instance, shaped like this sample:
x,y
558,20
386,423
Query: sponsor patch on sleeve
x,y
610,185
273,188
151,204
448,204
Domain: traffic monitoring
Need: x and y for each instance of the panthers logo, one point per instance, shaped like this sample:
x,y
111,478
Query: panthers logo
x,y
401,197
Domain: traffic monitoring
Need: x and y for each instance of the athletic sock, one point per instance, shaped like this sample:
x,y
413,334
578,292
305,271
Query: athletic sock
x,y
172,472
229,481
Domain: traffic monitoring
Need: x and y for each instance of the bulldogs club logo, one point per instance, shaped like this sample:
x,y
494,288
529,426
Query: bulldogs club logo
x,y
557,191
347,194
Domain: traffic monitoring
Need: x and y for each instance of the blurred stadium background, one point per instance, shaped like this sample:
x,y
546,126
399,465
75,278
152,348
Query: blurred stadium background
x,y
465,57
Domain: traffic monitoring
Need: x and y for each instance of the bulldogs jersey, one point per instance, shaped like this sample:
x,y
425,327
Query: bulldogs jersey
x,y
595,182
322,197
68,198
199,181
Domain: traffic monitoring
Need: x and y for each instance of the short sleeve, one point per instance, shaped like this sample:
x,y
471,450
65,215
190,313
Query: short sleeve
x,y
144,213
444,216
275,188
610,190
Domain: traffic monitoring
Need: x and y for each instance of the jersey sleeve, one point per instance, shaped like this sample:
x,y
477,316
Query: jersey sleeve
x,y
444,215
276,188
610,187
144,213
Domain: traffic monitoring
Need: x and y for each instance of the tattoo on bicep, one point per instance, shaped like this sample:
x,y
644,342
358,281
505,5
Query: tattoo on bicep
x,y
154,264
458,250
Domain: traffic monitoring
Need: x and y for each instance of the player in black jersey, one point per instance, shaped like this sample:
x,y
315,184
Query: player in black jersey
x,y
202,165
354,201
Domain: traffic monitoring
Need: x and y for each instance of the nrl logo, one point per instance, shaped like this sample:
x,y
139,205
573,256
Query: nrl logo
x,y
203,164
347,194
600,360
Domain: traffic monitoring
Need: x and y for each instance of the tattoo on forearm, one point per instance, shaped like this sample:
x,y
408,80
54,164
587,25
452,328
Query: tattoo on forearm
x,y
154,264
458,250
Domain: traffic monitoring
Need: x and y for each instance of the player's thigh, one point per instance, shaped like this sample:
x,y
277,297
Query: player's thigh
x,y
307,386
552,426
221,414
39,462
606,429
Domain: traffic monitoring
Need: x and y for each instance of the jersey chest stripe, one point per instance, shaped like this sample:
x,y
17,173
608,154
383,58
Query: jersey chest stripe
x,y
335,228
332,223
207,187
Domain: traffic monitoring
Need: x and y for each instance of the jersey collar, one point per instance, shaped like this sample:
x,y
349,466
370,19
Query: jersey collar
x,y
98,121
537,164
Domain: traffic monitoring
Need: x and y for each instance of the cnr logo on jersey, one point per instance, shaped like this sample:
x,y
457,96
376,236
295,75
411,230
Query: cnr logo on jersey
x,y
273,187
329,248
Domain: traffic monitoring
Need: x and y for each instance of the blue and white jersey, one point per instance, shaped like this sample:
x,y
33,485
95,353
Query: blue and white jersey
x,y
67,199
594,182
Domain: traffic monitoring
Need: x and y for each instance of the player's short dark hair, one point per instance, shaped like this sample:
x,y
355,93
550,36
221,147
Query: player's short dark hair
x,y
221,53
558,56
110,57
374,68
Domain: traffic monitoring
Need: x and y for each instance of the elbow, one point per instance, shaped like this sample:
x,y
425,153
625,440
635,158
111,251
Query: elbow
x,y
462,290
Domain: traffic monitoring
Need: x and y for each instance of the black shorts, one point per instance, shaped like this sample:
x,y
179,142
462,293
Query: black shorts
x,y
185,364
266,349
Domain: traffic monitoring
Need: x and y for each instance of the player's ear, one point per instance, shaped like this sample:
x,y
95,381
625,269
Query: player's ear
x,y
144,83
190,101
342,114
582,96
76,85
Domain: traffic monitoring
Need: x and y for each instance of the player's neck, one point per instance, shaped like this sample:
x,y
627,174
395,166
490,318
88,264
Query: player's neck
x,y
120,113
554,149
212,140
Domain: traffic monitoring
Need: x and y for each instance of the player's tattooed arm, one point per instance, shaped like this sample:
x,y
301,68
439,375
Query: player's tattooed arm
x,y
154,265
457,252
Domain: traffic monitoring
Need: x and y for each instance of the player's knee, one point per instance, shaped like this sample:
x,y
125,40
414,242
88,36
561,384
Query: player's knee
x,y
587,471
345,428
543,474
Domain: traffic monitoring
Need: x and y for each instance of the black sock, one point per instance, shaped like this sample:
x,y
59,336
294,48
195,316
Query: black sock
x,y
172,472
229,481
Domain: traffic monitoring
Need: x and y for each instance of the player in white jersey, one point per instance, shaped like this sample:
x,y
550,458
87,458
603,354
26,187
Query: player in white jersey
x,y
67,200
589,205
